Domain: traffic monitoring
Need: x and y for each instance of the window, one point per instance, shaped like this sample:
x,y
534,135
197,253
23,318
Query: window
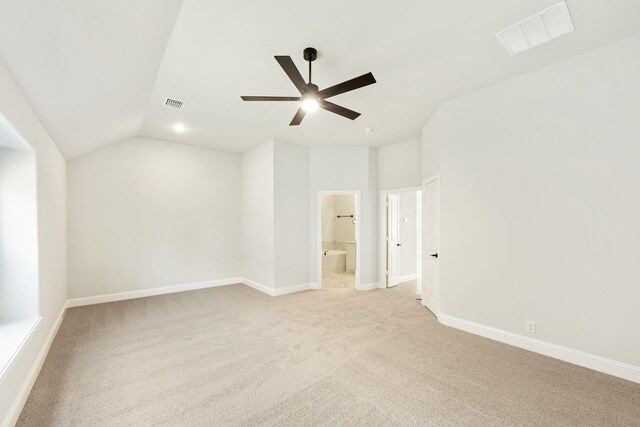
x,y
19,311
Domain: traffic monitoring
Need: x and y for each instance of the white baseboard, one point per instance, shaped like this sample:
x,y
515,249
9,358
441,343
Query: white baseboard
x,y
258,286
597,363
120,296
278,291
293,289
367,286
16,408
297,288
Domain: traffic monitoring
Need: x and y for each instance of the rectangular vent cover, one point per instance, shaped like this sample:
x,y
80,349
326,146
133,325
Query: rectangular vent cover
x,y
545,26
174,103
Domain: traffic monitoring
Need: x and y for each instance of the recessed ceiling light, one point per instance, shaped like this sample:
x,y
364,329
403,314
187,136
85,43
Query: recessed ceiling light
x,y
368,130
179,127
540,28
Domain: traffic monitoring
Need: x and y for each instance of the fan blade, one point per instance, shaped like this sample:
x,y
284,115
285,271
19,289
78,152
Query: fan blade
x,y
298,117
341,111
349,85
270,98
292,71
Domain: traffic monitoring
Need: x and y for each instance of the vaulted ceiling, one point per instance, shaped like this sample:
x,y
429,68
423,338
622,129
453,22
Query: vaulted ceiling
x,y
97,72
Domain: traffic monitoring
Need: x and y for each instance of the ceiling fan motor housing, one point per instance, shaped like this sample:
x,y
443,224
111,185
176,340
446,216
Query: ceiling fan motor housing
x,y
310,54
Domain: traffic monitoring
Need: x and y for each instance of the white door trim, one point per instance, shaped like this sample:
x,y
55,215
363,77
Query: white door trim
x,y
382,232
358,195
432,178
394,251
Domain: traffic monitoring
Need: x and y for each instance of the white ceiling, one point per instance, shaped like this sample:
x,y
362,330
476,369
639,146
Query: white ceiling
x,y
97,72
86,67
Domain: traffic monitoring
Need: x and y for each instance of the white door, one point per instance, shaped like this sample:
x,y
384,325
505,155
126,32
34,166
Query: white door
x,y
431,243
393,240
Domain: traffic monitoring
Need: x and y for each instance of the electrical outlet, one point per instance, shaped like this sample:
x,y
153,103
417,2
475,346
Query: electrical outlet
x,y
530,326
179,278
167,279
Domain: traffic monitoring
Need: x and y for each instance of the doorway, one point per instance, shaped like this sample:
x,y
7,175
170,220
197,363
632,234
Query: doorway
x,y
339,238
401,242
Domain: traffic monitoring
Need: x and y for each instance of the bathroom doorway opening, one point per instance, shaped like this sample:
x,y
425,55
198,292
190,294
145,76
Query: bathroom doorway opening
x,y
401,242
339,239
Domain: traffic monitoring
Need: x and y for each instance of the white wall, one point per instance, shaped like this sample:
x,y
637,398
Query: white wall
x,y
144,209
344,230
52,254
327,214
291,214
432,135
280,184
408,234
370,224
257,190
539,202
336,229
400,165
18,235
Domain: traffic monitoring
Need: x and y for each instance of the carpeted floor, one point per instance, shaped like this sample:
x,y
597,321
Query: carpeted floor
x,y
234,356
342,280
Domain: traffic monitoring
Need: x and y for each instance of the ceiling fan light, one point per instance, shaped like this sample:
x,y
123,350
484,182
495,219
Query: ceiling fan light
x,y
310,104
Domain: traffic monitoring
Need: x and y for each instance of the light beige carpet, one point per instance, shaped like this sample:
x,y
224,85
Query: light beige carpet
x,y
234,356
342,280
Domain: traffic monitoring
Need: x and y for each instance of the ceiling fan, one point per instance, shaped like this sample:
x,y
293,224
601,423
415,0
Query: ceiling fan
x,y
311,97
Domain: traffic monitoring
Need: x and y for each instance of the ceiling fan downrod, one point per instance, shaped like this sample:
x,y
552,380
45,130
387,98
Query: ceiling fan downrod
x,y
310,54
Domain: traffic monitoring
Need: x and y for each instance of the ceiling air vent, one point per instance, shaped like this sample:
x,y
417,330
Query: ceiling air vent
x,y
174,103
545,26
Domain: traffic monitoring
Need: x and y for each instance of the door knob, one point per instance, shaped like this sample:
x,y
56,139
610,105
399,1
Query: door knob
x,y
434,255
398,244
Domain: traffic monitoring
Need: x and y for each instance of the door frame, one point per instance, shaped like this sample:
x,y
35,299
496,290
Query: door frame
x,y
436,177
393,254
382,230
358,219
